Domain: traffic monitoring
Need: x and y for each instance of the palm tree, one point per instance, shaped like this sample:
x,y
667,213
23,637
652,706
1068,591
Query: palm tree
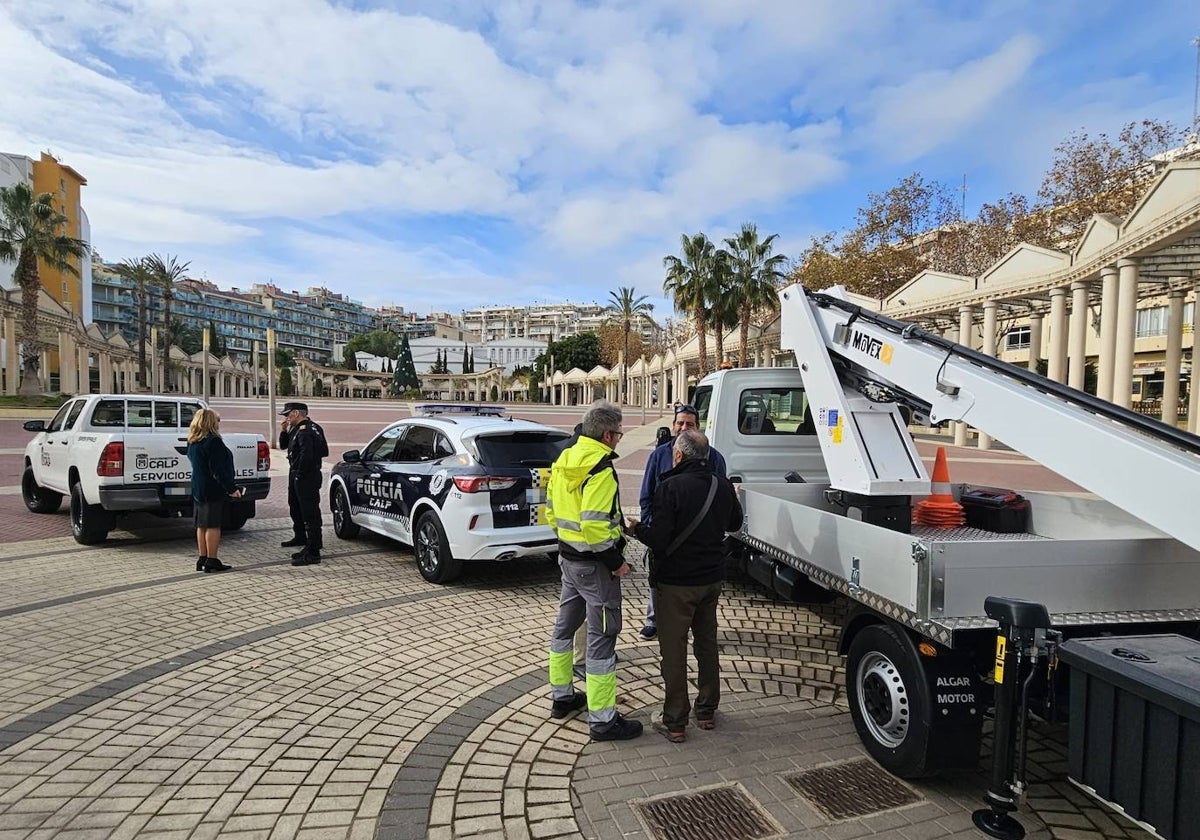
x,y
31,230
689,282
138,273
756,277
627,308
165,272
723,311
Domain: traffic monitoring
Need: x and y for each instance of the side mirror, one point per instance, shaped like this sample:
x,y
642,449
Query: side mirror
x,y
352,457
662,435
35,425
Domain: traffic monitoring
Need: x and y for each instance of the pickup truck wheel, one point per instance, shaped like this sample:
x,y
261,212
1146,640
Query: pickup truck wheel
x,y
343,526
90,524
235,520
37,498
889,700
432,551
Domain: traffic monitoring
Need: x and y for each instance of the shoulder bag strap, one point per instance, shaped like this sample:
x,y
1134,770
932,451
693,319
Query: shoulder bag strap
x,y
695,523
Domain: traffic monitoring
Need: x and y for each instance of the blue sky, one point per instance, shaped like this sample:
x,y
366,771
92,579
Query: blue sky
x,y
447,154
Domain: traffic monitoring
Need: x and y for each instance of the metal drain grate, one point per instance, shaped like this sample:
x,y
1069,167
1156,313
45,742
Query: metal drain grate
x,y
720,813
852,789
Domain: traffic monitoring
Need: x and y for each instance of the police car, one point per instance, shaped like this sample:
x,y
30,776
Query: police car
x,y
457,483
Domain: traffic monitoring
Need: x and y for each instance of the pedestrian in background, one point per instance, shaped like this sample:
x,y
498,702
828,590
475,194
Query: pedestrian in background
x,y
693,509
305,443
661,461
212,486
583,506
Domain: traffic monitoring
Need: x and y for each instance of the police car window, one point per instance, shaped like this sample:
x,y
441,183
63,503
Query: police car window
x,y
109,414
420,444
520,449
442,447
383,448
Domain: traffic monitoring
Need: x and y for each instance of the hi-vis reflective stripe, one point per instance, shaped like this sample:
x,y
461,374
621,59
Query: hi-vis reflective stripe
x,y
940,487
1000,650
596,516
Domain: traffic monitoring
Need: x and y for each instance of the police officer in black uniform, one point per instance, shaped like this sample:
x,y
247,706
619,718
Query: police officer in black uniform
x,y
305,443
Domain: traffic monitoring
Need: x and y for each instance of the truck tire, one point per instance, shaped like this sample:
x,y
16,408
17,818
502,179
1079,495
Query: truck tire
x,y
343,526
236,516
37,498
889,700
90,524
432,551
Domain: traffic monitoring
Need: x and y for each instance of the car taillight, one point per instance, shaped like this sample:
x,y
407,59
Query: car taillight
x,y
264,457
112,460
480,483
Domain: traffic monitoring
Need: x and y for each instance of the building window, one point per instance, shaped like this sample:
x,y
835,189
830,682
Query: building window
x,y
1018,338
1152,322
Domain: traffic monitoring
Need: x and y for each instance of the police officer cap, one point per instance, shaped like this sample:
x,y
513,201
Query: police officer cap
x,y
293,406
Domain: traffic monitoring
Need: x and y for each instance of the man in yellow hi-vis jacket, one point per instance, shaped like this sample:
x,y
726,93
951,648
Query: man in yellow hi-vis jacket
x,y
583,506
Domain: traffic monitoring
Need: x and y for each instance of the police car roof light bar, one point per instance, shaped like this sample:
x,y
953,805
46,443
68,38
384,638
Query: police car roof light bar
x,y
456,408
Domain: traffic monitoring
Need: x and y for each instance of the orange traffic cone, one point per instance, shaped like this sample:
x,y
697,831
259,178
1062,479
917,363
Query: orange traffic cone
x,y
939,509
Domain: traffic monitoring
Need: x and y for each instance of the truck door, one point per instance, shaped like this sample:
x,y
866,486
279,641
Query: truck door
x,y
56,445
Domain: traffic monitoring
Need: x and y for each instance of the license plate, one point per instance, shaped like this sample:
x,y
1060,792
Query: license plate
x,y
176,491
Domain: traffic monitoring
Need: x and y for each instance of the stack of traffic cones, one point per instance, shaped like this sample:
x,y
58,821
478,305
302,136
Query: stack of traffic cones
x,y
940,510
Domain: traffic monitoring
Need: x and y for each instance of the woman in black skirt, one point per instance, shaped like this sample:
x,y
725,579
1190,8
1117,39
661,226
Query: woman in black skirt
x,y
212,486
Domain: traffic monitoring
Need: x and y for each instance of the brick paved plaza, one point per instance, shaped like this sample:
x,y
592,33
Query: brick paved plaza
x,y
355,700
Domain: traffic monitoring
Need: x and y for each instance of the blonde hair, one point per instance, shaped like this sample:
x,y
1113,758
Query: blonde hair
x,y
205,423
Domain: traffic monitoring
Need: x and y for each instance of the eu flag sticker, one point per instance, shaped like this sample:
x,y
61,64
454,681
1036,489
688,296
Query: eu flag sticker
x,y
833,417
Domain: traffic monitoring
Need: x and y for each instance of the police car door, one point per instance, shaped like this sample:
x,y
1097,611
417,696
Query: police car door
x,y
370,482
423,447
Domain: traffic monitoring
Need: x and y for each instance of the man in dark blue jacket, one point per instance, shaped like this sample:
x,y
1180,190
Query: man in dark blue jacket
x,y
692,511
661,460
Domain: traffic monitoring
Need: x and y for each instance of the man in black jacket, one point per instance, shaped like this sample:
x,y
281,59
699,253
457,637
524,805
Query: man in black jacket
x,y
692,510
305,443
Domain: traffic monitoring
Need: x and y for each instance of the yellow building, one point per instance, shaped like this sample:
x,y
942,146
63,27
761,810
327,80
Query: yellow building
x,y
73,291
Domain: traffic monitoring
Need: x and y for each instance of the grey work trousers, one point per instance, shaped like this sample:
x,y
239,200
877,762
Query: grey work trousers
x,y
590,593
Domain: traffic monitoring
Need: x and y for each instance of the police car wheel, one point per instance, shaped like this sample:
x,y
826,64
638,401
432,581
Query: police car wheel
x,y
343,525
432,551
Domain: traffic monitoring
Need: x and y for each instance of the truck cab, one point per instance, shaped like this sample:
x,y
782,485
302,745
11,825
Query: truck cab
x,y
759,419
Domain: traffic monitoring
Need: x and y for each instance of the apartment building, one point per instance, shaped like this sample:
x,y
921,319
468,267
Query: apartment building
x,y
544,322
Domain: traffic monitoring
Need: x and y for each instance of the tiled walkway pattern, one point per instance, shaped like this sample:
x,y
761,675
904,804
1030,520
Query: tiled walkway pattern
x,y
354,700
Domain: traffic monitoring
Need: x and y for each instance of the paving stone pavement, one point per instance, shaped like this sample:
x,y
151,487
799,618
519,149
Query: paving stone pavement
x,y
139,699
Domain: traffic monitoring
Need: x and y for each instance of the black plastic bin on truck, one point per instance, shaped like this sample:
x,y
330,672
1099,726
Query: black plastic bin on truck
x,y
1135,727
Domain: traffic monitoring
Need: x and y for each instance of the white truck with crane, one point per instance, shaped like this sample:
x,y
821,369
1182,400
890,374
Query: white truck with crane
x,y
828,476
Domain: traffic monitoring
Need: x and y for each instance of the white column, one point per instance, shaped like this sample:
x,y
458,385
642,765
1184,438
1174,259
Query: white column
x,y
85,371
1127,300
1035,340
1170,398
66,370
966,319
104,363
1108,332
1193,378
1077,337
1057,360
989,348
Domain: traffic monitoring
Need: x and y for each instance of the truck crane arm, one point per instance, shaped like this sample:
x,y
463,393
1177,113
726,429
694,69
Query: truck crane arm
x,y
858,366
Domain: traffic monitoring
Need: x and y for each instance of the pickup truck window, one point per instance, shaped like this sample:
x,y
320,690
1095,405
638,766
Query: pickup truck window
x,y
139,414
702,401
187,410
109,414
774,411
76,410
61,417
166,415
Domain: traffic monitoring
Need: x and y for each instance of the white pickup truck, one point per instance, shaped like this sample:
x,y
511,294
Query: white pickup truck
x,y
116,453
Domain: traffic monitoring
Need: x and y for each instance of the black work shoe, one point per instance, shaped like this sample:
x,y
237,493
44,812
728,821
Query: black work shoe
x,y
212,564
307,560
293,542
621,729
559,709
296,555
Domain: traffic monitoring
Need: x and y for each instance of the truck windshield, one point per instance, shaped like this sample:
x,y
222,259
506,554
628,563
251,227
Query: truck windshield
x,y
701,400
520,449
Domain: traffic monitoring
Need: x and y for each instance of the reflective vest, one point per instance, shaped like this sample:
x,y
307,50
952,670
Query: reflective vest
x,y
582,500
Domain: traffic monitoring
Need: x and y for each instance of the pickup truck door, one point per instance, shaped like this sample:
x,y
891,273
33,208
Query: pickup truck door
x,y
56,445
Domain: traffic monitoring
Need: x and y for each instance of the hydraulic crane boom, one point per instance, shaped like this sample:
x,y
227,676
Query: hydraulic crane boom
x,y
857,365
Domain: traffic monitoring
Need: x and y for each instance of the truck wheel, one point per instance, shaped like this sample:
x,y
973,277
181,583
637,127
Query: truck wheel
x,y
37,498
889,700
343,526
90,524
235,520
433,551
